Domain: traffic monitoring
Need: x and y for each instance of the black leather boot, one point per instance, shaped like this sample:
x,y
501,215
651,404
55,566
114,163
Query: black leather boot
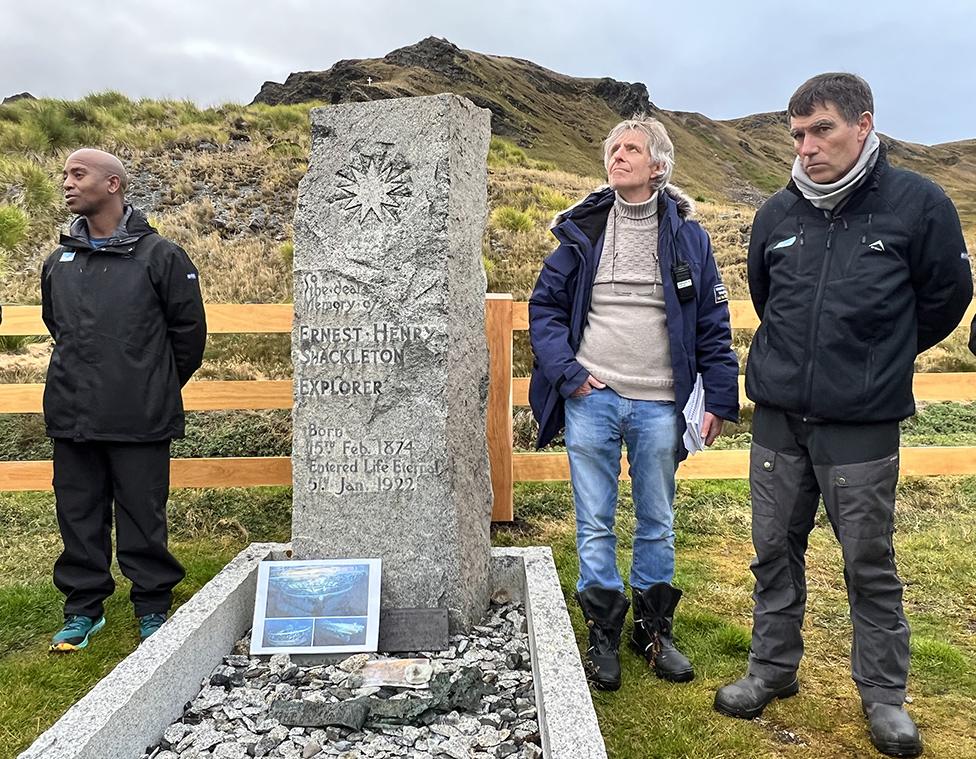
x,y
653,639
604,611
893,732
746,698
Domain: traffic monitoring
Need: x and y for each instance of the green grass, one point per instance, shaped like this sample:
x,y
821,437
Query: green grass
x,y
504,153
511,219
934,424
936,539
17,343
210,433
36,686
111,120
941,424
13,226
551,199
936,544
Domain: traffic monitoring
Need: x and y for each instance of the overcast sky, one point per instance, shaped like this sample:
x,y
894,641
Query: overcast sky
x,y
721,58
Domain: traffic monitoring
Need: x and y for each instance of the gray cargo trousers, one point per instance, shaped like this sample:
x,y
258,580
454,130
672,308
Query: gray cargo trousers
x,y
855,468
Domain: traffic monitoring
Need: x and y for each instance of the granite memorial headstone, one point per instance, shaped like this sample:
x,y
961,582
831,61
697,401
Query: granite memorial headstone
x,y
390,359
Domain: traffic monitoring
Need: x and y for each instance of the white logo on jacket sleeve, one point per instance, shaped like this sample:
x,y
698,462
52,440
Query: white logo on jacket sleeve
x,y
877,245
785,243
721,293
191,275
68,255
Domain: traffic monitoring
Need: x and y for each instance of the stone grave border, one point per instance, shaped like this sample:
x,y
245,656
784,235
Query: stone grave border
x,y
132,705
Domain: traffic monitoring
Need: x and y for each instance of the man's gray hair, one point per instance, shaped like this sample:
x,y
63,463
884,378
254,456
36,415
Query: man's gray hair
x,y
848,92
659,145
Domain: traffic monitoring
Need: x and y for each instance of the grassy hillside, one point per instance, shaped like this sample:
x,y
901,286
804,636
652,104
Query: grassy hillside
x,y
223,183
563,119
935,541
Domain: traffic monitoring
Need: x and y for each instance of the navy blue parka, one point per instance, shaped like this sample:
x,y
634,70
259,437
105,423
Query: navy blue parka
x,y
699,330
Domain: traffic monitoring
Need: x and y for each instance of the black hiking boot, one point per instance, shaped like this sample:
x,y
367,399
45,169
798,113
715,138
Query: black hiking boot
x,y
604,611
653,638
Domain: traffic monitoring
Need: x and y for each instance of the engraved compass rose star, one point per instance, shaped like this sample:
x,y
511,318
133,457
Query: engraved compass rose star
x,y
373,188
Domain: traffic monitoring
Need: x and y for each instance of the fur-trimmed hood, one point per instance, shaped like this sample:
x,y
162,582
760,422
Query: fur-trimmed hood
x,y
685,205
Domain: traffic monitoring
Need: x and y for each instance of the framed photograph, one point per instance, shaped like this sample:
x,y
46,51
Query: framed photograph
x,y
321,606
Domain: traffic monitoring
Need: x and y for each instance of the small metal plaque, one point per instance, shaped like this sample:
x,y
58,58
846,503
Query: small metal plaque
x,y
413,630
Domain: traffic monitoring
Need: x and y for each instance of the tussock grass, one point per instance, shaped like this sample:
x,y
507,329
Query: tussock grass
x,y
113,120
951,355
240,270
18,344
208,433
22,438
24,359
511,219
551,199
504,153
242,357
227,357
13,227
235,433
222,182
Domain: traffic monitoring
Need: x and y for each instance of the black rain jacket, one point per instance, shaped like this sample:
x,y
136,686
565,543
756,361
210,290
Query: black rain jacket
x,y
847,300
129,331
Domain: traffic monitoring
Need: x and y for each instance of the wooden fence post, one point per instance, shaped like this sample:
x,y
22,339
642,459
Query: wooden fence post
x,y
498,327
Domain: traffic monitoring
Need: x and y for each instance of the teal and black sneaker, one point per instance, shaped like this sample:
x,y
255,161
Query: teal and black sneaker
x,y
75,633
149,623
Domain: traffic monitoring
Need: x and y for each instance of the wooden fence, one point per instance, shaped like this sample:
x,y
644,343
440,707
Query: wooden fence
x,y
503,318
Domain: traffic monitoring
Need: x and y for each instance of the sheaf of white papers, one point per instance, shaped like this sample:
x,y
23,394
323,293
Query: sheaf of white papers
x,y
694,413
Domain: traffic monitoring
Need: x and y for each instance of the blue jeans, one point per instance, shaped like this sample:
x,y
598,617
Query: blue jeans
x,y
596,425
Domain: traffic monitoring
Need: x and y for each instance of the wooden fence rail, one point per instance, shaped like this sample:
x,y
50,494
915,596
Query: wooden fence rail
x,y
503,318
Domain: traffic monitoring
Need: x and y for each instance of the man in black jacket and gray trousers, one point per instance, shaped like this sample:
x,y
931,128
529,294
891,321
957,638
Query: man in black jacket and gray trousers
x,y
855,268
124,308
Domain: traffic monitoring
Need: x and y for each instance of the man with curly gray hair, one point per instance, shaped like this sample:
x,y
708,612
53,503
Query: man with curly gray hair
x,y
626,313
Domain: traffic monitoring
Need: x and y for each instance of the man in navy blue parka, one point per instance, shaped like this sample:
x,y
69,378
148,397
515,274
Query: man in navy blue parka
x,y
626,313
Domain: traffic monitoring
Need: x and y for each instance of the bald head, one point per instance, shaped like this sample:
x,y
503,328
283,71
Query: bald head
x,y
94,183
104,163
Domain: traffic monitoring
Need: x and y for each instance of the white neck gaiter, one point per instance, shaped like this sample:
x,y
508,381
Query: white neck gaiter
x,y
828,196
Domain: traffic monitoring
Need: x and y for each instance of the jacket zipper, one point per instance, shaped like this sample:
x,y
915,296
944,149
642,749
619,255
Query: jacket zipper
x,y
576,240
815,319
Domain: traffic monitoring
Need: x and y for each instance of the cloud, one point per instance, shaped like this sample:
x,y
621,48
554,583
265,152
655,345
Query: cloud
x,y
719,58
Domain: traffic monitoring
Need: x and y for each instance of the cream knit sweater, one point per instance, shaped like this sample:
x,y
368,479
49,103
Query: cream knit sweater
x,y
625,343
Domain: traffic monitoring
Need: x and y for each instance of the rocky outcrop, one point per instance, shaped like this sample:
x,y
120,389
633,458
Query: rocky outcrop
x,y
18,96
623,97
437,56
434,65
558,115
346,82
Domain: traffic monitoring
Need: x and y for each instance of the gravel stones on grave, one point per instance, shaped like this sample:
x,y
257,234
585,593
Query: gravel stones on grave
x,y
479,704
